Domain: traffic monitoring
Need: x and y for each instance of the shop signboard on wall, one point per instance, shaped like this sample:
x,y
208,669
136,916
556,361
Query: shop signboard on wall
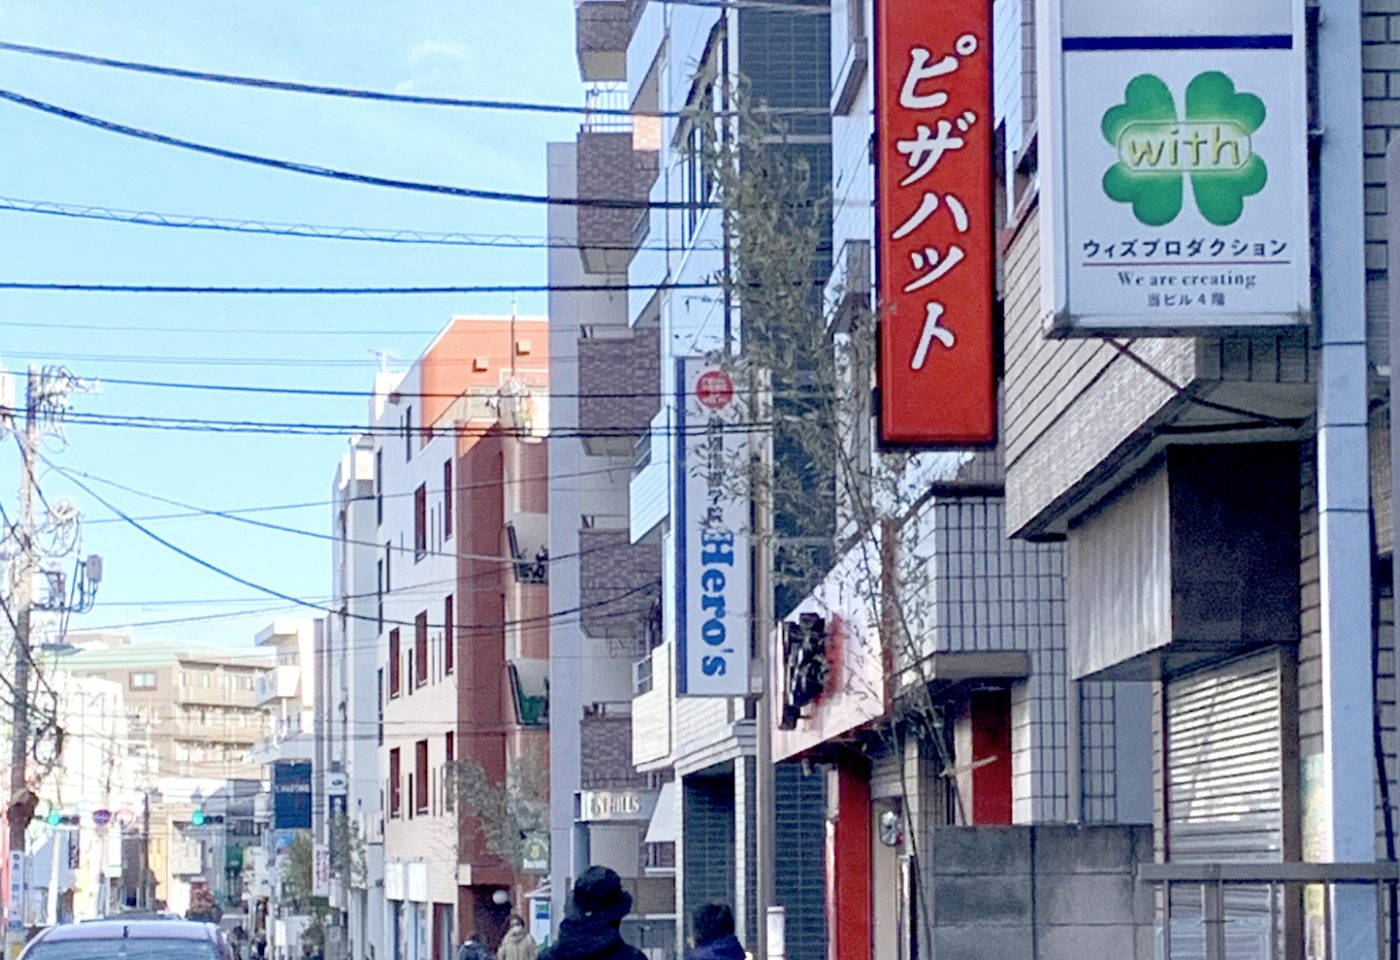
x,y
712,531
1174,166
291,795
935,249
534,853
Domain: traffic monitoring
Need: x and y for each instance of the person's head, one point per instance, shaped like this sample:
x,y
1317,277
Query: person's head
x,y
711,921
598,893
516,922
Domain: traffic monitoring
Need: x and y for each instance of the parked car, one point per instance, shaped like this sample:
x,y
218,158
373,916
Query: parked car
x,y
130,939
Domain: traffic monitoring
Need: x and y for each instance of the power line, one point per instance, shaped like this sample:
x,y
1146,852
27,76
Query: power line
x,y
301,602
370,498
370,395
321,231
318,535
382,96
331,173
64,287
291,428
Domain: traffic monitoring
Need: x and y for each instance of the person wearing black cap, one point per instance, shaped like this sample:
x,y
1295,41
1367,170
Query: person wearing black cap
x,y
591,931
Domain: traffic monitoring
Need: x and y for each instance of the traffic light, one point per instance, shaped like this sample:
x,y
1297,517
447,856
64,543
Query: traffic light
x,y
54,818
198,817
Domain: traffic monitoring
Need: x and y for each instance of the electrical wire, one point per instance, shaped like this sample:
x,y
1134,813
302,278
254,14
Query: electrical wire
x,y
422,100
370,394
301,602
370,498
231,290
293,428
318,535
324,232
331,173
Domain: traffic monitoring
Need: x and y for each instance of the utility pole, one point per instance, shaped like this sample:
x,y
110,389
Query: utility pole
x,y
764,795
21,805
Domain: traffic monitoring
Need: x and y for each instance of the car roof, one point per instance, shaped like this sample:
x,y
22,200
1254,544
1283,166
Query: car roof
x,y
144,929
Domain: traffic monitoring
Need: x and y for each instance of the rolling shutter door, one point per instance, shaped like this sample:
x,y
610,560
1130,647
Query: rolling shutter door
x,y
1224,791
1224,762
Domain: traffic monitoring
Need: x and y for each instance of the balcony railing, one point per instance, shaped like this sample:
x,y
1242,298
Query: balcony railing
x,y
1259,911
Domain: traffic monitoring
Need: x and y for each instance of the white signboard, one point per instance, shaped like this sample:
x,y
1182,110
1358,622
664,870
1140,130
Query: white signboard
x,y
321,870
16,890
1174,166
626,806
712,540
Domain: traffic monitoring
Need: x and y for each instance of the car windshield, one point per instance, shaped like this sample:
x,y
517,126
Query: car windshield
x,y
123,950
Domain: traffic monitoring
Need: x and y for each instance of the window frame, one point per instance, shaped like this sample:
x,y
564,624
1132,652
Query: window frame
x,y
395,667
420,649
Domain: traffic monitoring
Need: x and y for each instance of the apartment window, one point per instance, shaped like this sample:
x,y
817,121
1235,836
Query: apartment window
x,y
420,647
379,711
420,772
379,593
379,486
395,784
393,663
449,635
447,496
420,522
389,566
449,779
408,434
143,681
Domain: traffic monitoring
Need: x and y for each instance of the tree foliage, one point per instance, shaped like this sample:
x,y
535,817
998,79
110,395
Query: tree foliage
x,y
504,812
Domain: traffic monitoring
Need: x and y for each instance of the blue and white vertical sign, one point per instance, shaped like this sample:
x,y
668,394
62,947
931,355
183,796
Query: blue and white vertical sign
x,y
713,597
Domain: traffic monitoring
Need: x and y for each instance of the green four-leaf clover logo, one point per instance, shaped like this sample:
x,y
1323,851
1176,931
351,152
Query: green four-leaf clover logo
x,y
1157,150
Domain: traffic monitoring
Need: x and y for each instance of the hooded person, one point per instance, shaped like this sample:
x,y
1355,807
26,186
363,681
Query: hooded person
x,y
517,944
591,931
712,931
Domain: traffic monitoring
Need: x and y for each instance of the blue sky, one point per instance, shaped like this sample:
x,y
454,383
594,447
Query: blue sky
x,y
518,50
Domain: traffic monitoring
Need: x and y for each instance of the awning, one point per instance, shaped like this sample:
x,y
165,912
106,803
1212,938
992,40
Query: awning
x,y
662,828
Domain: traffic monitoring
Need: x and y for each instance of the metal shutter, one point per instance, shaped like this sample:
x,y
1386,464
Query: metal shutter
x,y
1224,768
1224,791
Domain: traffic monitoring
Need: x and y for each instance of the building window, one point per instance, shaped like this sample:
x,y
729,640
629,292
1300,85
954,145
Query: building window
x,y
408,434
449,635
379,710
379,594
393,663
447,495
395,784
420,773
449,773
389,566
420,647
379,487
420,522
143,681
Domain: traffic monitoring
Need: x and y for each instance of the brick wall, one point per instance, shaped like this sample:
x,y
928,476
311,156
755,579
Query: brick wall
x,y
611,569
609,367
609,168
604,29
605,754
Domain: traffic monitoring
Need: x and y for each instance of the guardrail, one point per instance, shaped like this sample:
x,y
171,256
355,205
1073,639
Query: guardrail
x,y
1258,911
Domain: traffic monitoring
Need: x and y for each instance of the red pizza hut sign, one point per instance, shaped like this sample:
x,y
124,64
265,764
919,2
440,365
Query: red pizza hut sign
x,y
934,222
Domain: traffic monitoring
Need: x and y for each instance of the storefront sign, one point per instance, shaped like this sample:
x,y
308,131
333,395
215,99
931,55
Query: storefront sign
x,y
712,537
935,252
291,795
1174,159
535,853
846,606
623,806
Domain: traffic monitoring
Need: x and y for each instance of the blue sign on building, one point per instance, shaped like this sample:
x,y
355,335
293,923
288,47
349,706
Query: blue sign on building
x,y
291,795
